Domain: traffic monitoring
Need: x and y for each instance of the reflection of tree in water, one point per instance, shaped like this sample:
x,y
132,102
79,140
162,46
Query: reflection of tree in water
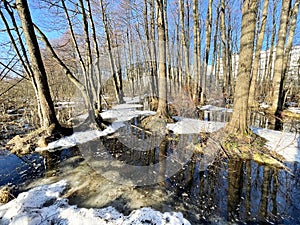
x,y
235,187
258,193
52,159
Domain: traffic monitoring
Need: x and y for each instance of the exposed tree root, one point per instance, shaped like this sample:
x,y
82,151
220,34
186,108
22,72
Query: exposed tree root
x,y
251,147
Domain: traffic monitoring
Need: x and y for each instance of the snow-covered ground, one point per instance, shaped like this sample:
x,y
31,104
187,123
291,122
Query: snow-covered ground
x,y
214,108
119,114
284,143
194,126
45,205
81,137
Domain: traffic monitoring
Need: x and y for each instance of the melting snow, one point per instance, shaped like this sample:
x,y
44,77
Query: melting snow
x,y
124,114
284,143
120,114
45,205
81,137
193,126
294,110
215,108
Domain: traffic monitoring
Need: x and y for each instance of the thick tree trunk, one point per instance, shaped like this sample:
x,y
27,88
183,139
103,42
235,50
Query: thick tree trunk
x,y
39,73
238,122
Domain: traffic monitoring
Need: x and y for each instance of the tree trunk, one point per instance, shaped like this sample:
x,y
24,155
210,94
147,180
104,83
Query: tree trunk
x,y
287,57
118,93
270,65
162,103
278,67
87,100
224,48
207,49
257,54
238,122
39,73
153,50
196,52
185,45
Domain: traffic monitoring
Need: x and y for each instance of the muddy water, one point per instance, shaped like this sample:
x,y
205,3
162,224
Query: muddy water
x,y
133,169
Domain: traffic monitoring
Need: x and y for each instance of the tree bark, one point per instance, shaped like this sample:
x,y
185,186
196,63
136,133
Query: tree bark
x,y
287,57
196,52
207,49
185,44
224,48
278,66
162,110
119,95
257,54
238,122
39,73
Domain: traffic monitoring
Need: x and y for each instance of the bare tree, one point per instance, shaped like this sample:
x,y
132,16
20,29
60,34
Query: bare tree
x,y
259,44
119,95
224,48
278,67
207,49
238,122
286,58
38,69
185,44
162,110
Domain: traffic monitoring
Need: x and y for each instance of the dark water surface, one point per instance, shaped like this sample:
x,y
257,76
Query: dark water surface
x,y
207,190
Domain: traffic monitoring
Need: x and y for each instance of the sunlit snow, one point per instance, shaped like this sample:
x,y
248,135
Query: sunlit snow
x,y
45,205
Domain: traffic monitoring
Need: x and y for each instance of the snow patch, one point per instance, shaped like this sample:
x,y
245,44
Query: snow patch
x,y
214,108
194,126
127,106
131,100
284,143
124,114
44,205
81,137
294,110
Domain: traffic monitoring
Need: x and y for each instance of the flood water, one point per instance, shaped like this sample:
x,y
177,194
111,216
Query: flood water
x,y
133,169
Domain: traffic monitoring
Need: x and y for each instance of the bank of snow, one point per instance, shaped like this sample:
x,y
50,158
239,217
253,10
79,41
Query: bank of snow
x,y
45,205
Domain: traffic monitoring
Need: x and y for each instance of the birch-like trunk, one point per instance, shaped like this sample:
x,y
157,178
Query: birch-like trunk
x,y
259,44
280,51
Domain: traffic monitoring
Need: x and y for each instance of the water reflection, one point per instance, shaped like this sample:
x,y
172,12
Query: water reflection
x,y
239,191
206,191
221,190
